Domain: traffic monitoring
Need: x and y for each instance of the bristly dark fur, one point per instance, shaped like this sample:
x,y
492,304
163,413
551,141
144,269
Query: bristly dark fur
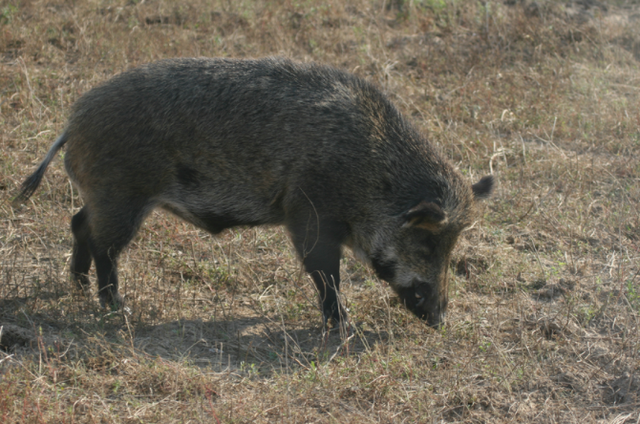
x,y
222,142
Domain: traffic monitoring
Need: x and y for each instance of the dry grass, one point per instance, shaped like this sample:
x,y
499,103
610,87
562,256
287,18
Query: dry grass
x,y
545,292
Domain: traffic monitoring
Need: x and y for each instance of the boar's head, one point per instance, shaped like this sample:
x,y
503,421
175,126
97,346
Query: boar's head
x,y
415,261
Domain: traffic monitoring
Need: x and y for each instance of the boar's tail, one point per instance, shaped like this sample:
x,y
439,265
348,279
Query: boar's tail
x,y
30,185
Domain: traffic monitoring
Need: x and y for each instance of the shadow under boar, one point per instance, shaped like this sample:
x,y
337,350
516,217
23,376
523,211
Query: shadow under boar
x,y
222,143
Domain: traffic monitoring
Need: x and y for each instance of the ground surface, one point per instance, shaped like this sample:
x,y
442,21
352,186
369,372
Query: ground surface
x,y
545,290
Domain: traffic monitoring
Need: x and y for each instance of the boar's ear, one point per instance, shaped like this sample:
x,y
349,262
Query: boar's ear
x,y
482,189
427,215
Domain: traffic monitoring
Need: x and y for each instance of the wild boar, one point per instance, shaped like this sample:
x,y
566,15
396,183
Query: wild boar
x,y
224,142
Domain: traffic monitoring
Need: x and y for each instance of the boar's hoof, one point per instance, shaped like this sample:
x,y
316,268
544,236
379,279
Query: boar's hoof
x,y
113,302
334,316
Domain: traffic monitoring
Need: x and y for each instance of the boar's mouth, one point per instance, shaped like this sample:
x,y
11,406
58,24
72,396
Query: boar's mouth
x,y
421,299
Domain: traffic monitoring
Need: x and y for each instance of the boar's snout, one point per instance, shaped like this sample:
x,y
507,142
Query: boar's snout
x,y
436,320
425,302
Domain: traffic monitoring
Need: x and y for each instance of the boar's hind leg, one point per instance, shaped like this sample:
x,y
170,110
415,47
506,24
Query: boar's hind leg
x,y
111,231
81,256
319,248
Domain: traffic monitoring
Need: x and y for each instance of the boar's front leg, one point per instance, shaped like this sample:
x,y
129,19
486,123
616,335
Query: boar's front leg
x,y
319,246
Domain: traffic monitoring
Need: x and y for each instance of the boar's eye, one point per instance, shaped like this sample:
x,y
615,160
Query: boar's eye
x,y
420,299
426,245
